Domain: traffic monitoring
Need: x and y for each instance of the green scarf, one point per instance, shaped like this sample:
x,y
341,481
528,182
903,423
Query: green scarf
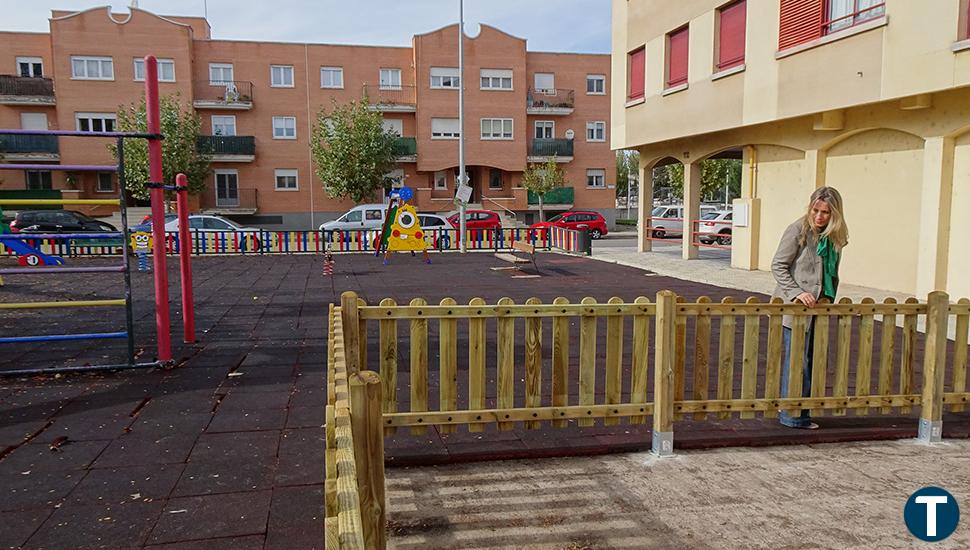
x,y
830,267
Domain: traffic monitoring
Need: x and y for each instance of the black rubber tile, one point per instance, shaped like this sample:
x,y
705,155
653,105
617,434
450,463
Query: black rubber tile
x,y
252,542
211,516
97,526
230,475
14,434
157,424
300,461
131,484
221,446
249,401
139,450
247,420
17,527
88,425
32,490
37,456
296,519
306,417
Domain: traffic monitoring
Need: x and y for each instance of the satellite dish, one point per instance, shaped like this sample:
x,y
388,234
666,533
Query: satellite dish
x,y
570,134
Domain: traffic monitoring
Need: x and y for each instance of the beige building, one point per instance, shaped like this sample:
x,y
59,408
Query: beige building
x,y
867,96
258,103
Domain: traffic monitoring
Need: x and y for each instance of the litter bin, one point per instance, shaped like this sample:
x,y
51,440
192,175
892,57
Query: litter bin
x,y
585,243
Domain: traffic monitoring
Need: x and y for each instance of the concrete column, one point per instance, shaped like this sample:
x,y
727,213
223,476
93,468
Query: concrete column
x,y
935,209
645,206
815,167
746,230
692,207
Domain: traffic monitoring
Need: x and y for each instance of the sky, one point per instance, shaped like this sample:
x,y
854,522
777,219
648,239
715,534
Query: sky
x,y
581,26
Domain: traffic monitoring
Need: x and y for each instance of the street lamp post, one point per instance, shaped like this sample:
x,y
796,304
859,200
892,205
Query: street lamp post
x,y
462,177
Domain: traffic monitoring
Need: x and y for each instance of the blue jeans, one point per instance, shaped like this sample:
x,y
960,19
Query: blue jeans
x,y
804,419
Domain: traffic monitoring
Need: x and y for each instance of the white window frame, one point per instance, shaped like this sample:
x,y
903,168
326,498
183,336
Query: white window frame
x,y
447,134
441,179
286,173
544,89
282,73
387,81
601,78
596,173
392,124
447,78
596,125
215,124
338,71
31,61
496,80
283,120
111,183
545,124
502,135
139,62
215,183
91,117
101,60
222,68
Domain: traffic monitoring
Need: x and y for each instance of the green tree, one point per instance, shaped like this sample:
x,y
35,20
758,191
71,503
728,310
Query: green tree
x,y
182,151
627,162
714,174
542,178
352,151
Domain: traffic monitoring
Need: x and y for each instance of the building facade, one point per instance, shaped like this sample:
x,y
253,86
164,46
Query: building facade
x,y
259,101
866,96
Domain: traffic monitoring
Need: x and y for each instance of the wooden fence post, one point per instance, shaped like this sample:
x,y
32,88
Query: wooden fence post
x,y
934,365
366,421
663,382
351,328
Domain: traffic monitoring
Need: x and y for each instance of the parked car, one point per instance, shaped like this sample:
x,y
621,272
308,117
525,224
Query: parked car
x,y
715,227
668,221
477,219
576,219
433,221
428,222
362,216
207,223
146,223
58,221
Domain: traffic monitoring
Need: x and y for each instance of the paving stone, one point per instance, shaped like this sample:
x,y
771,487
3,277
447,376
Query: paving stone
x,y
97,526
130,484
211,516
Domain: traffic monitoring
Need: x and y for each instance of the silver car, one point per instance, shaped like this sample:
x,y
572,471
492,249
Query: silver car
x,y
362,216
668,221
715,227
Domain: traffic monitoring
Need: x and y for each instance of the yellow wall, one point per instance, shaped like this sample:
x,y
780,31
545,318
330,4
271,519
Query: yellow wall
x,y
958,274
784,193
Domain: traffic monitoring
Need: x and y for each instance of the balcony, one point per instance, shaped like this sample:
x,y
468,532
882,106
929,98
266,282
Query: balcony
x,y
391,100
406,149
229,148
24,90
29,148
550,102
231,201
540,150
235,95
561,198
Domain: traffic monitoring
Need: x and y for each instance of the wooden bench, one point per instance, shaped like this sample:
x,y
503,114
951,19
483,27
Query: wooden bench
x,y
519,246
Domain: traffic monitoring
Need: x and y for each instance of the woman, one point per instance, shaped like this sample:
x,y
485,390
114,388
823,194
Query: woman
x,y
806,268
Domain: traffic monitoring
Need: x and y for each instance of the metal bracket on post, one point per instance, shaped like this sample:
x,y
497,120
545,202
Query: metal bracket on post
x,y
930,431
663,444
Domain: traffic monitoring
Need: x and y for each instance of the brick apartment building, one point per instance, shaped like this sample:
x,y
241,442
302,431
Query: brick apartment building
x,y
258,103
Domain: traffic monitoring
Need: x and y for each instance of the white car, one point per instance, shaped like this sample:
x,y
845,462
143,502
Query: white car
x,y
208,224
715,227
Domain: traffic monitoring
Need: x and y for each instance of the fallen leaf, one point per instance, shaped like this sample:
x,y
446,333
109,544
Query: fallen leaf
x,y
58,442
135,496
177,511
232,374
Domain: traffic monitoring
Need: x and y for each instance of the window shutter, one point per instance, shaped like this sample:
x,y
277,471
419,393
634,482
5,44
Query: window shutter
x,y
638,61
731,39
677,45
800,21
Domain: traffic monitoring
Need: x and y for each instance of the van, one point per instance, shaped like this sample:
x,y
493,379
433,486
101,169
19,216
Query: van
x,y
362,216
668,221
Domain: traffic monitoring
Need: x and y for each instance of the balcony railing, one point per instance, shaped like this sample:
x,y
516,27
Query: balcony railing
x,y
26,90
400,99
17,144
551,147
550,101
235,199
406,147
236,94
227,145
559,195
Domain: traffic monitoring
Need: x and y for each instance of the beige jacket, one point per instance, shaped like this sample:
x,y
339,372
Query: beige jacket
x,y
797,268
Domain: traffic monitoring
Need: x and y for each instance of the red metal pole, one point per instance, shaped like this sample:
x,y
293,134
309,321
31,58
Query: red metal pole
x,y
185,258
162,321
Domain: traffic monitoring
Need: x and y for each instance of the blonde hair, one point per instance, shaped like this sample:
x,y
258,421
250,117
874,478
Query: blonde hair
x,y
837,231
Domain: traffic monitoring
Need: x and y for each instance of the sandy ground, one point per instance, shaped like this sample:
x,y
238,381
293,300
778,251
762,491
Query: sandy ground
x,y
816,496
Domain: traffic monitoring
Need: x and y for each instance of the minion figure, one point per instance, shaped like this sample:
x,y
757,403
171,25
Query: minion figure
x,y
141,243
405,234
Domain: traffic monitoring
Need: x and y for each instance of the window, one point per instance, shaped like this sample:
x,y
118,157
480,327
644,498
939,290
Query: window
x,y
105,183
92,68
841,14
395,125
595,84
441,179
494,178
284,127
166,70
595,177
281,76
545,82
227,188
216,224
38,180
545,129
496,79
596,131
30,67
390,79
431,221
372,214
285,179
224,125
220,73
637,60
397,180
677,43
496,128
445,128
95,122
730,38
445,77
331,77
353,216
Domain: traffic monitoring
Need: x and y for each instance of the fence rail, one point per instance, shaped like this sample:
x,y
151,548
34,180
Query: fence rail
x,y
13,85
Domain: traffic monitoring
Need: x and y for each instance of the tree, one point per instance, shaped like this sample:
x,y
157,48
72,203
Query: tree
x,y
352,151
182,151
542,178
714,174
627,162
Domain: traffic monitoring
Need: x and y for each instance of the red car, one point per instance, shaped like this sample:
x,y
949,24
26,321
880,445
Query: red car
x,y
477,219
577,219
